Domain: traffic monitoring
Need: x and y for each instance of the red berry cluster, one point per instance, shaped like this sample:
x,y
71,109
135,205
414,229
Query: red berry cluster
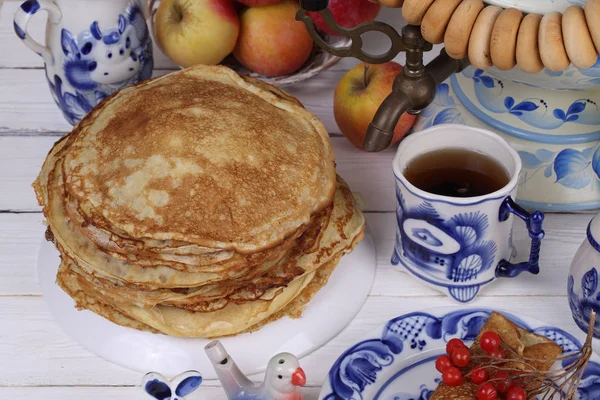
x,y
459,356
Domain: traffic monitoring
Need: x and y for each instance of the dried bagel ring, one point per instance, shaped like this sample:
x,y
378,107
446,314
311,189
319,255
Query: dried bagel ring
x,y
479,43
503,45
592,17
413,11
436,20
528,52
578,40
459,29
552,48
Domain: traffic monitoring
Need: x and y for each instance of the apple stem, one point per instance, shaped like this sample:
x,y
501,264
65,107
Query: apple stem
x,y
365,75
178,12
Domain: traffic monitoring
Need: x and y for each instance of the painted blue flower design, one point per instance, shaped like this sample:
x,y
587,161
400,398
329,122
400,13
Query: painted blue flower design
x,y
536,112
98,62
570,168
442,249
425,394
583,305
74,106
449,115
363,364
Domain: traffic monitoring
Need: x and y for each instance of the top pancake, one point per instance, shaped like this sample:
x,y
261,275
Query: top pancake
x,y
201,156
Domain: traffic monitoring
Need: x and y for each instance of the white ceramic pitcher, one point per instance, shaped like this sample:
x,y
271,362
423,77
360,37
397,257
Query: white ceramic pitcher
x,y
93,48
583,285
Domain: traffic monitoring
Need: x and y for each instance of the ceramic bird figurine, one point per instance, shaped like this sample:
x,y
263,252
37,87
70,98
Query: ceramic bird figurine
x,y
161,388
283,377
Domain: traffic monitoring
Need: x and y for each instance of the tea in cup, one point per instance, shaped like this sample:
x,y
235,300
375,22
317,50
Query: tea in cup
x,y
455,187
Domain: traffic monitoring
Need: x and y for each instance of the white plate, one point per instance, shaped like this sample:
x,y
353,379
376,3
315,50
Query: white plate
x,y
328,313
397,360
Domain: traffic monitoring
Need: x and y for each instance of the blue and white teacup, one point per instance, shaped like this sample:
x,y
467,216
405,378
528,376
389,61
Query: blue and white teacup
x,y
458,245
92,49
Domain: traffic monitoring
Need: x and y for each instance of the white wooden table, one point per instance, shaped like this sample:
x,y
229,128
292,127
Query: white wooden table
x,y
38,361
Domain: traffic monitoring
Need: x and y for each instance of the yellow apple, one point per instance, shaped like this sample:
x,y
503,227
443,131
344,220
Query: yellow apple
x,y
194,32
358,96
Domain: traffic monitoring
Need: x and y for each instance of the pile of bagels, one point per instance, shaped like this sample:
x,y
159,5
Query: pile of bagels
x,y
504,38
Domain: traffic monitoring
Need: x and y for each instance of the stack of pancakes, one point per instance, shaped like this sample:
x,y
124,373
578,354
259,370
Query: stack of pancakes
x,y
198,204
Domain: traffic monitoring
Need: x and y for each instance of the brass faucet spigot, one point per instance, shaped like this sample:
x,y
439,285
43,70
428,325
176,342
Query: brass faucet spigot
x,y
414,88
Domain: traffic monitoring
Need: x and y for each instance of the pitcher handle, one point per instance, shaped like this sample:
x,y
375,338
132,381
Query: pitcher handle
x,y
534,222
22,17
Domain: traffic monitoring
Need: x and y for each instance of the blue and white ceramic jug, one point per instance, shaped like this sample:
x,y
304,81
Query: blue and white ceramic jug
x,y
584,285
93,48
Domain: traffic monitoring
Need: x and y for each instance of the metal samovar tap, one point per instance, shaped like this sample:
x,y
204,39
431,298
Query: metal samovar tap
x,y
414,88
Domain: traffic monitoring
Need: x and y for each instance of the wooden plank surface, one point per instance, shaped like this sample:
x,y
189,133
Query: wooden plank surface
x,y
112,393
38,361
21,235
41,354
27,107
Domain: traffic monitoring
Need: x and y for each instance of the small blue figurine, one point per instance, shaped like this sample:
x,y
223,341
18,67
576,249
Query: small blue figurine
x,y
283,377
161,388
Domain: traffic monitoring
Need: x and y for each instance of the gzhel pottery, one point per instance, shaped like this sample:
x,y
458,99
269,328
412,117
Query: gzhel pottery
x,y
551,118
583,287
178,388
458,245
283,377
93,48
397,360
556,133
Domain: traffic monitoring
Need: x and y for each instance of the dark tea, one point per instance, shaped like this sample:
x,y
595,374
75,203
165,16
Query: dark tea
x,y
456,173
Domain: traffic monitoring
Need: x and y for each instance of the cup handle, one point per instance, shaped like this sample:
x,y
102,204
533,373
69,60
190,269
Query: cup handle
x,y
22,17
534,223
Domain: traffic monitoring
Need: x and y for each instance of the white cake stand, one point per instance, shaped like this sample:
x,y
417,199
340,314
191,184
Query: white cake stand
x,y
328,313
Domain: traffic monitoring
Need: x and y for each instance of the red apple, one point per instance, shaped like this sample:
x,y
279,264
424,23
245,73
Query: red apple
x,y
271,41
358,96
258,3
347,13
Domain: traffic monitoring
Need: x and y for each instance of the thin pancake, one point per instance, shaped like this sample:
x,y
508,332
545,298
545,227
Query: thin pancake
x,y
232,319
343,231
293,310
221,178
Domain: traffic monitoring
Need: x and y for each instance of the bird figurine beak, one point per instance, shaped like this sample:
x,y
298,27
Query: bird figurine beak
x,y
299,377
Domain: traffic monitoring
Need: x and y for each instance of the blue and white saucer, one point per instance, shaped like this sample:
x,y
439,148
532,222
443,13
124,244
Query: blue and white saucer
x,y
397,360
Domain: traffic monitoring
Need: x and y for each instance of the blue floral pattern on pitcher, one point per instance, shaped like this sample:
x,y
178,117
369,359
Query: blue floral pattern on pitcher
x,y
98,62
402,337
589,300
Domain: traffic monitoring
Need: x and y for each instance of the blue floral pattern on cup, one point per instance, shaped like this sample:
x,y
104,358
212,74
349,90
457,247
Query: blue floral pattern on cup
x,y
439,249
371,362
